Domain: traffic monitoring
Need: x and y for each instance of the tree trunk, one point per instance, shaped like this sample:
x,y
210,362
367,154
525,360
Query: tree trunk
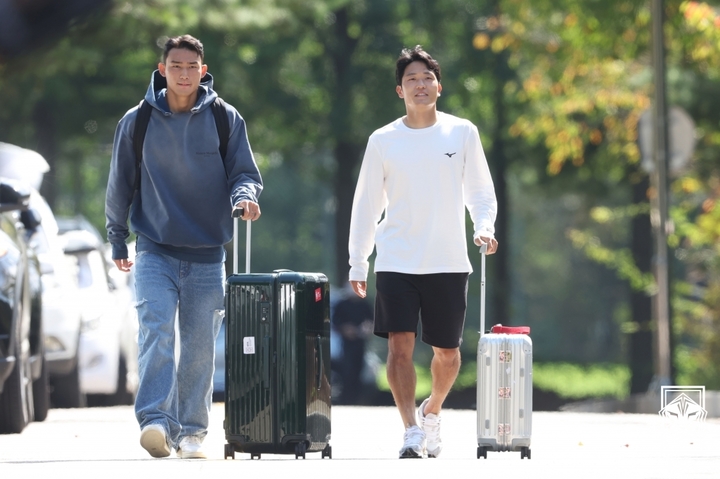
x,y
347,151
641,340
498,160
500,299
347,156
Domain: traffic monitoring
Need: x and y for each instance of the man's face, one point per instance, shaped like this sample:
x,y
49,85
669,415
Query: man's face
x,y
183,70
419,86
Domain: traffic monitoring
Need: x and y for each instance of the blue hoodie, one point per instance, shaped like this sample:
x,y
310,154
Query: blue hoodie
x,y
184,205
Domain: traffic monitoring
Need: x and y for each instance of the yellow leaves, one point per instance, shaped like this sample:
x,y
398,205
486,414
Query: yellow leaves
x,y
501,42
569,74
699,14
601,214
704,21
710,224
629,36
596,136
689,185
564,144
571,20
481,41
518,28
631,152
642,102
533,83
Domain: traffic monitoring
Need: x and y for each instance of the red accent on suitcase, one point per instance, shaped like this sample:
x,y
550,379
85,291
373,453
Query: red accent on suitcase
x,y
500,329
318,295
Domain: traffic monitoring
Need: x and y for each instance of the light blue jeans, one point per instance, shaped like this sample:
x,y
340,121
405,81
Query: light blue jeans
x,y
177,398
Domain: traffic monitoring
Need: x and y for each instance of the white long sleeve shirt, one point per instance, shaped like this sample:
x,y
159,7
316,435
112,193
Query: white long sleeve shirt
x,y
422,180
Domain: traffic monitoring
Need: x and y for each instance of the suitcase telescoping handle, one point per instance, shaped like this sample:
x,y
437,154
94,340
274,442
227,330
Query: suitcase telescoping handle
x,y
483,251
237,213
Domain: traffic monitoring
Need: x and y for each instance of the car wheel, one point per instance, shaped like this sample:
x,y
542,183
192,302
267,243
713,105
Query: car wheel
x,y
41,393
66,391
16,398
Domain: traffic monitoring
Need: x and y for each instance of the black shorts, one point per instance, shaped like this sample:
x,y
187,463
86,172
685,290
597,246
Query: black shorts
x,y
439,301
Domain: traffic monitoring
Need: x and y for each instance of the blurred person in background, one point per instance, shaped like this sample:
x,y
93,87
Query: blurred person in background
x,y
418,175
352,319
181,213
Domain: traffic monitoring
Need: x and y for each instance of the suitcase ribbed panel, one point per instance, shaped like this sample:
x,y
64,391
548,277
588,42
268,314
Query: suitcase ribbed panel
x,y
304,408
248,379
289,367
504,391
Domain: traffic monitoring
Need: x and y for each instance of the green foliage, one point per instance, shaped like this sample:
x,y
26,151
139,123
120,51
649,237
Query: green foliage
x,y
567,380
573,381
423,377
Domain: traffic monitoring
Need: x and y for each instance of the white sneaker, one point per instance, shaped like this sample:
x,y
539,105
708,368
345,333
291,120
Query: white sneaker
x,y
191,448
154,440
414,443
430,425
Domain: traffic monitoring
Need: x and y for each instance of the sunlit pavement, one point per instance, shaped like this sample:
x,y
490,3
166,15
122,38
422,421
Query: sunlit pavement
x,y
104,442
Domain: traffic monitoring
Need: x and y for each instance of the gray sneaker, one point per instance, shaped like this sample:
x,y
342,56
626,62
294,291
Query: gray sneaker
x,y
414,443
154,440
430,424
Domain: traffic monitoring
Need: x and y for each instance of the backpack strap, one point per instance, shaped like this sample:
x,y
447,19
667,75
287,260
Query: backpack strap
x,y
141,124
223,127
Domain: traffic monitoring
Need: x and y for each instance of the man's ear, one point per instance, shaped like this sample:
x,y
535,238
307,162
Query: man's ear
x,y
161,68
203,70
399,91
439,88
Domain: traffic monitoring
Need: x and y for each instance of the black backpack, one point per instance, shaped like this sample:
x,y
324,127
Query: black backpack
x,y
143,119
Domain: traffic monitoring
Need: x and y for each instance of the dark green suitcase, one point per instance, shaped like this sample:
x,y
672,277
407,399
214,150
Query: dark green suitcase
x,y
277,364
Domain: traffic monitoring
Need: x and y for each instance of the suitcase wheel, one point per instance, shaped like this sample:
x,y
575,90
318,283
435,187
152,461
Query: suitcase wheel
x,y
229,451
327,452
524,452
300,449
482,452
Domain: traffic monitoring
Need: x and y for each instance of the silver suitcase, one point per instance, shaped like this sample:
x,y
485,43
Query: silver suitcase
x,y
504,386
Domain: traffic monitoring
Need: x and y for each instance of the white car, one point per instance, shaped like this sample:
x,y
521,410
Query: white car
x,y
60,309
108,342
60,306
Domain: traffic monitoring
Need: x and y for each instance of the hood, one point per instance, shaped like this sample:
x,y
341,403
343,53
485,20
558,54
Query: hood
x,y
156,93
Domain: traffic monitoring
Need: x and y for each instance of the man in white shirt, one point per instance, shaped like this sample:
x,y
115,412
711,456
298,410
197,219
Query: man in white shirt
x,y
421,171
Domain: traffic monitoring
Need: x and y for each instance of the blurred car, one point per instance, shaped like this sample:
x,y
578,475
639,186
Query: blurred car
x,y
61,309
108,341
24,389
23,165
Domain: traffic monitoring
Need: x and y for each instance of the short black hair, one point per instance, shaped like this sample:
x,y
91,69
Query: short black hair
x,y
187,42
417,54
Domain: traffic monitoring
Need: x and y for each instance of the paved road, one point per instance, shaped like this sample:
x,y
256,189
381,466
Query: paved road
x,y
103,442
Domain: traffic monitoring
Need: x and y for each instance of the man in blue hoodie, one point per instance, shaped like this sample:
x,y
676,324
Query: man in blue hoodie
x,y
181,213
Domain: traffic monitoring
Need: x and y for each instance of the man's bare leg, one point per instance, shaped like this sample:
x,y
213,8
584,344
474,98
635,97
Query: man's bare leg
x,y
401,374
444,367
